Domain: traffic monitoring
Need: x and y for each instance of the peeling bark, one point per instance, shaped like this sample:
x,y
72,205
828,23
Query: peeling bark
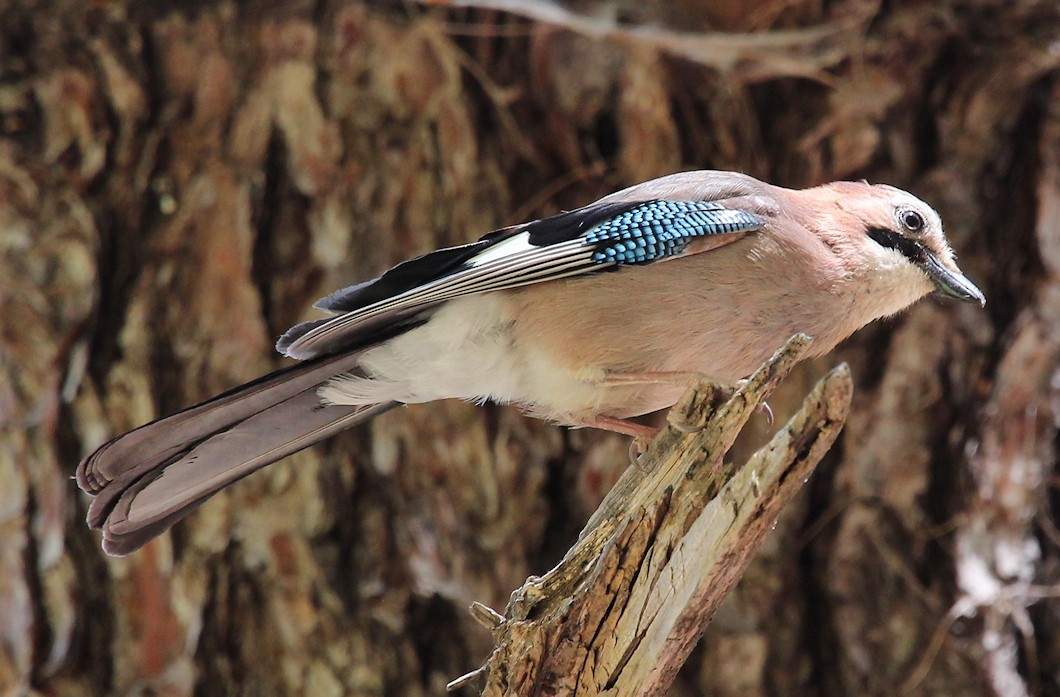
x,y
623,609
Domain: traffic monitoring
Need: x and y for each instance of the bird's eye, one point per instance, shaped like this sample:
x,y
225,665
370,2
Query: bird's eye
x,y
913,221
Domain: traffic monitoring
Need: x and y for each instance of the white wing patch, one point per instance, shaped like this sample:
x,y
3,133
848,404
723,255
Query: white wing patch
x,y
518,244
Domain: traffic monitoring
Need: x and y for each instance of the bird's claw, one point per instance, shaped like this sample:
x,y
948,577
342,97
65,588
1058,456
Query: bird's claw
x,y
637,447
763,408
766,411
680,424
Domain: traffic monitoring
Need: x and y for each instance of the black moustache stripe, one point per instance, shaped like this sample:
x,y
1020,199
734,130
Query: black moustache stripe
x,y
913,251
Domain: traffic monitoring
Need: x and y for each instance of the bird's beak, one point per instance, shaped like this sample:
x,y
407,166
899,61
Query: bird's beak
x,y
950,282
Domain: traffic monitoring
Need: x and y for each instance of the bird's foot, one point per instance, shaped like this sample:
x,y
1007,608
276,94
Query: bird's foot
x,y
637,447
764,409
642,435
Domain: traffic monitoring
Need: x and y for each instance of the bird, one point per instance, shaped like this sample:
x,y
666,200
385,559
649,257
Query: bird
x,y
587,318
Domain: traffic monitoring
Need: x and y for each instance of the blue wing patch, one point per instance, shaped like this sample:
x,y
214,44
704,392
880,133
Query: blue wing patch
x,y
658,229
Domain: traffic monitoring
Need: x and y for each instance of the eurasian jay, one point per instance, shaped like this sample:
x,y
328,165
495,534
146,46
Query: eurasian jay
x,y
584,319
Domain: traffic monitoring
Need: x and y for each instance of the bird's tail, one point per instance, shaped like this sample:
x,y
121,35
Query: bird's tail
x,y
146,480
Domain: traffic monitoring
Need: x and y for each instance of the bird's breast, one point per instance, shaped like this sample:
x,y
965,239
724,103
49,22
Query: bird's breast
x,y
545,346
720,314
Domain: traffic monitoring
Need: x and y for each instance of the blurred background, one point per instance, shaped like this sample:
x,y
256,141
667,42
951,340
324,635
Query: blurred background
x,y
180,181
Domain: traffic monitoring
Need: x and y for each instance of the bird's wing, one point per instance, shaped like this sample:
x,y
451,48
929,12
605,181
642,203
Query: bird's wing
x,y
600,237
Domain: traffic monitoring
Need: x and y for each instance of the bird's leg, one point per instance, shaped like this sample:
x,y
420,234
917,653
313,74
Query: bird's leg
x,y
661,377
678,378
641,434
626,428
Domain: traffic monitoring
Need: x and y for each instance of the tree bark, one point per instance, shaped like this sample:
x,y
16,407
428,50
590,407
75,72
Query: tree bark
x,y
623,609
178,184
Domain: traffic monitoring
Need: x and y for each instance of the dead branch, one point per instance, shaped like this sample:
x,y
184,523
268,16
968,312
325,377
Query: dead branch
x,y
623,609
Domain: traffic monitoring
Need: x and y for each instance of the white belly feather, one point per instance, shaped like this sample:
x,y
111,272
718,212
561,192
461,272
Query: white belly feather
x,y
465,351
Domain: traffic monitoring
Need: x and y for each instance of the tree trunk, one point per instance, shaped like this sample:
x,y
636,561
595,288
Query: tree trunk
x,y
178,183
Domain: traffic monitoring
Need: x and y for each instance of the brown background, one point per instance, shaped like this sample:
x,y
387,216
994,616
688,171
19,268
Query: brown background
x,y
179,181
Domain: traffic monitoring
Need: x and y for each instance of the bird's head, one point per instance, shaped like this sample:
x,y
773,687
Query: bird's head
x,y
897,232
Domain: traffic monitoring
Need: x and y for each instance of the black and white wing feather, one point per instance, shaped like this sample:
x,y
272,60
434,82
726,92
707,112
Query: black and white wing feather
x,y
593,239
